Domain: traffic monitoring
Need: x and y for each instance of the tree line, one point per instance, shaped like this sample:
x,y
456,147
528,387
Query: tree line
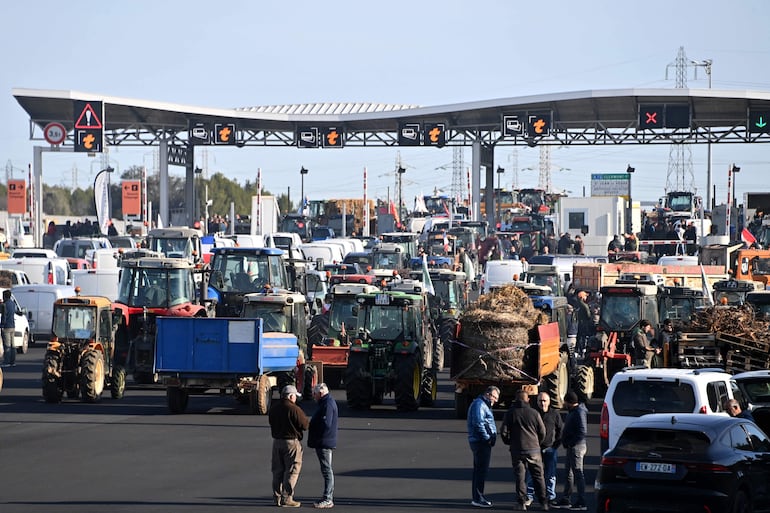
x,y
64,201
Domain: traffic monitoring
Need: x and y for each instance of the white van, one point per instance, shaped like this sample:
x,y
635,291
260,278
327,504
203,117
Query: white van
x,y
38,301
41,270
500,272
330,254
97,282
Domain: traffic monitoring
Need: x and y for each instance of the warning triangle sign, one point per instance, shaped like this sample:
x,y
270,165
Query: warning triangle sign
x,y
88,119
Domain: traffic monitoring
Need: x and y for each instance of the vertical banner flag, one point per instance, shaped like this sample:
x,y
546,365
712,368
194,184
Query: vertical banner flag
x,y
132,197
102,200
426,277
17,197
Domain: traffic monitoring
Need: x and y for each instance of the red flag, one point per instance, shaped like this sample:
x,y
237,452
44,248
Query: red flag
x,y
392,210
747,237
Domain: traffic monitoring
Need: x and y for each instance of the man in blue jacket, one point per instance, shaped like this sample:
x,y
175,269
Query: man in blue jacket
x,y
322,436
8,328
482,435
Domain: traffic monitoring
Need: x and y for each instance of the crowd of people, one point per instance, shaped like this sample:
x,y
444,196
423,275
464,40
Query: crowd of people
x,y
534,436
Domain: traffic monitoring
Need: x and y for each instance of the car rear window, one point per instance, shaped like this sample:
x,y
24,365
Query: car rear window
x,y
757,390
634,398
666,442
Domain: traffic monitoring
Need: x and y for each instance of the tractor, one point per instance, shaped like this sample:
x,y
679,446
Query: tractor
x,y
79,360
152,287
391,352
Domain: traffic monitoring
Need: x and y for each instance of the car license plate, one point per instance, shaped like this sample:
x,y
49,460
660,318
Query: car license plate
x,y
660,468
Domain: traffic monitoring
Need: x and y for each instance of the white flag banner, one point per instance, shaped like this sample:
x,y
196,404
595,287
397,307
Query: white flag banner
x,y
102,200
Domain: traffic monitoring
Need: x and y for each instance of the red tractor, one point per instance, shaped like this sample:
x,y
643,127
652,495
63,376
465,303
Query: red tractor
x,y
151,287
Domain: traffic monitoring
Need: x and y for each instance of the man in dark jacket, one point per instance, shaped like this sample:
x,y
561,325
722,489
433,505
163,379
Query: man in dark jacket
x,y
8,328
287,424
645,351
550,446
527,433
573,437
322,436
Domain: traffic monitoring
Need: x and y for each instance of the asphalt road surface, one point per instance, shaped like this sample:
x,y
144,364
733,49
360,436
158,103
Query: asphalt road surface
x,y
131,455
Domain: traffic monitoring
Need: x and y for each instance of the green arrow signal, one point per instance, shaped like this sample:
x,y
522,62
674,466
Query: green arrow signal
x,y
761,123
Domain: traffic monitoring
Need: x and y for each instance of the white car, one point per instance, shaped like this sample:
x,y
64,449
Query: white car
x,y
634,392
21,336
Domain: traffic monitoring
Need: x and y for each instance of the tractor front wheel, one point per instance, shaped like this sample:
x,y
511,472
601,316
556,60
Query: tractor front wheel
x,y
92,376
408,381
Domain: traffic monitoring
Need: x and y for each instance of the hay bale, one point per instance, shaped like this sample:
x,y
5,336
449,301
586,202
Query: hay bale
x,y
497,336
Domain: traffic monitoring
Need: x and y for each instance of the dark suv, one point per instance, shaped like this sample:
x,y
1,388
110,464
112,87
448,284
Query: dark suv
x,y
686,462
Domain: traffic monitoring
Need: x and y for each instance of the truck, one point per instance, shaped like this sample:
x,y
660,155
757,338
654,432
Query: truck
x,y
447,304
593,276
79,359
177,242
150,288
391,352
195,355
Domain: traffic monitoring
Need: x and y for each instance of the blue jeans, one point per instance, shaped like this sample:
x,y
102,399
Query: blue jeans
x,y
482,455
550,458
325,459
575,476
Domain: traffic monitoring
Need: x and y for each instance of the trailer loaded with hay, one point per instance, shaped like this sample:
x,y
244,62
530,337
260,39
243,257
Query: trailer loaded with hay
x,y
503,340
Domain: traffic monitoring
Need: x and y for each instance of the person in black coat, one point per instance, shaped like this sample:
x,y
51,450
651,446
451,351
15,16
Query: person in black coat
x,y
527,433
322,436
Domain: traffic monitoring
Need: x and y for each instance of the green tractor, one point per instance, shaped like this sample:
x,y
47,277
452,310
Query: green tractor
x,y
446,306
392,351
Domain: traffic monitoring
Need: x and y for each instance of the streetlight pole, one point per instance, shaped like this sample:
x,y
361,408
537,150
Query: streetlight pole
x,y
401,172
630,210
500,172
302,173
706,64
730,197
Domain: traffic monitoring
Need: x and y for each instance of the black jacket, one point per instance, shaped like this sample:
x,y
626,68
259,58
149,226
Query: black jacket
x,y
287,421
553,427
526,427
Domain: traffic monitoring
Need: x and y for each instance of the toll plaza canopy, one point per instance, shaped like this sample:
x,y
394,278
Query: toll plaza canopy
x,y
602,117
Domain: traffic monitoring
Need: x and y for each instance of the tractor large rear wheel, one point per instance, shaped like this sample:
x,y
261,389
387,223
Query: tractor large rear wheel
x,y
358,382
429,388
556,384
53,389
584,382
408,381
446,332
91,376
462,403
118,382
318,329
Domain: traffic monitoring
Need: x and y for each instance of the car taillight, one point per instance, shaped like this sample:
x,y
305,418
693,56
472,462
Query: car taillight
x,y
706,467
358,342
613,462
604,423
703,409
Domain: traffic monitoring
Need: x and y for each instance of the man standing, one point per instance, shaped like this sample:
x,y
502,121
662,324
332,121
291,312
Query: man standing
x,y
8,324
287,424
550,445
644,349
573,438
322,436
482,435
527,434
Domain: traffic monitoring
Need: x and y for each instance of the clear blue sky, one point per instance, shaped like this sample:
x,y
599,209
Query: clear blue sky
x,y
237,54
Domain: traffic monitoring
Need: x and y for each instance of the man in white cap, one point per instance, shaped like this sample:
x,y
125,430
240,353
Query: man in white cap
x,y
287,424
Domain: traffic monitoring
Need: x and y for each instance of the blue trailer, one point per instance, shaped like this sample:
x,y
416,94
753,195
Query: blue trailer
x,y
196,354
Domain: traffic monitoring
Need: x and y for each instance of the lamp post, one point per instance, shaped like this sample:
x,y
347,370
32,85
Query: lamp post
x,y
706,64
401,172
731,170
500,172
302,173
196,193
630,210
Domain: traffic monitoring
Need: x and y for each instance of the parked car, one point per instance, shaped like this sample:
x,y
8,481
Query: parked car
x,y
686,462
634,392
754,389
22,338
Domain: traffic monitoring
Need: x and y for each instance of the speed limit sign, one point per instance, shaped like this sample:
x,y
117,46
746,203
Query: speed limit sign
x,y
54,133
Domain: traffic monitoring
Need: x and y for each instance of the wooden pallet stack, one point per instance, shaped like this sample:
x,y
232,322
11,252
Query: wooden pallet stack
x,y
744,354
698,351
